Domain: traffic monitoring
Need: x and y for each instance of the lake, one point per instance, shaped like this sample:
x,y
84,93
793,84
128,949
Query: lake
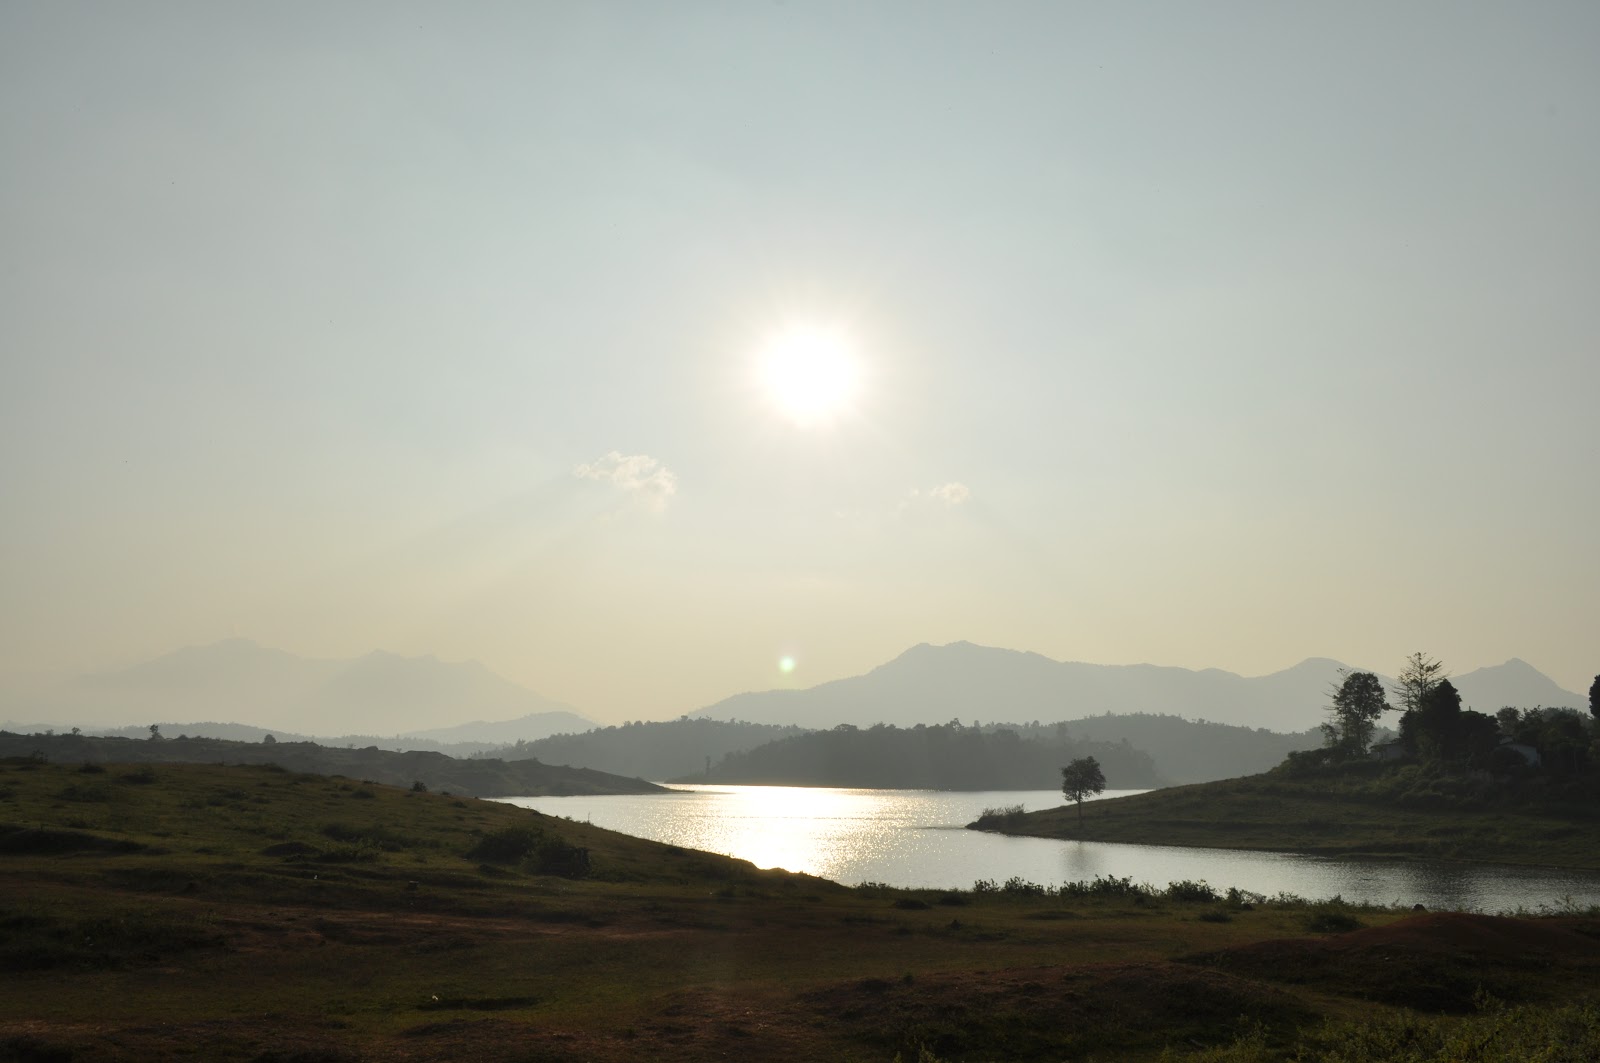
x,y
915,838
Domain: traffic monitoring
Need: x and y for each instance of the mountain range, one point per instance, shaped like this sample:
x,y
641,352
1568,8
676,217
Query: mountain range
x,y
415,698
936,684
377,694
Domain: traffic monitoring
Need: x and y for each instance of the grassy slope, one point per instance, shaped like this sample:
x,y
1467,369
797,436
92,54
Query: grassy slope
x,y
209,912
1392,813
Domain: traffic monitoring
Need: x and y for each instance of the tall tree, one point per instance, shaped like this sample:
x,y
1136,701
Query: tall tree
x,y
1508,718
1082,778
1594,698
1432,729
1420,675
1358,702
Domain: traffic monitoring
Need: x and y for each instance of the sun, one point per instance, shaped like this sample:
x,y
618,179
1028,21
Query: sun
x,y
810,373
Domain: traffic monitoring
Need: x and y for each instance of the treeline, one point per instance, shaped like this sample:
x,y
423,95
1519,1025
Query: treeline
x,y
435,771
656,750
246,732
1186,751
1560,746
936,757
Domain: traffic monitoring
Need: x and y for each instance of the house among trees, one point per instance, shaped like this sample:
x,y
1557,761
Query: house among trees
x,y
1395,750
1529,754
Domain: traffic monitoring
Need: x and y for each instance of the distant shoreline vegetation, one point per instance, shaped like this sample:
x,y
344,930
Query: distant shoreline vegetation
x,y
937,757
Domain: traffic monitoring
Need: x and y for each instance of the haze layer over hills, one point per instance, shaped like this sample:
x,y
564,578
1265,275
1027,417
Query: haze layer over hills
x,y
237,682
936,684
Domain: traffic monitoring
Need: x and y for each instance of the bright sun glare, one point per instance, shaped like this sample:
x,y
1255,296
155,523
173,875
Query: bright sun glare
x,y
810,372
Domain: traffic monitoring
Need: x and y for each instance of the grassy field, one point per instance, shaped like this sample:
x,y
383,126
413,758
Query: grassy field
x,y
1372,811
247,913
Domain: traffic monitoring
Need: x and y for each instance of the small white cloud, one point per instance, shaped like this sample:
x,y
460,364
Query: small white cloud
x,y
945,496
642,476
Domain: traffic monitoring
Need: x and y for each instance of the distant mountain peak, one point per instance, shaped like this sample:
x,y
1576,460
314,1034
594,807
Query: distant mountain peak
x,y
1317,662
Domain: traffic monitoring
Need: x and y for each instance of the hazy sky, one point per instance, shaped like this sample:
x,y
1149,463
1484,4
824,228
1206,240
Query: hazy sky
x,y
1200,334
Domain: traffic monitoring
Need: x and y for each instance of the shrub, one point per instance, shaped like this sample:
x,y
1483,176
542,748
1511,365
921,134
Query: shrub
x,y
1332,918
1307,761
1190,891
552,856
529,845
1003,816
1244,899
376,837
1109,886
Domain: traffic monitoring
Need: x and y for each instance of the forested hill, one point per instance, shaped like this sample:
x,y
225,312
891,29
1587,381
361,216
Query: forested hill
x,y
1188,751
656,750
480,778
938,757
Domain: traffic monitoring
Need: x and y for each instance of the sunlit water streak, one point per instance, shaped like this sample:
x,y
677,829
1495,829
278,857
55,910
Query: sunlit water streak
x,y
914,838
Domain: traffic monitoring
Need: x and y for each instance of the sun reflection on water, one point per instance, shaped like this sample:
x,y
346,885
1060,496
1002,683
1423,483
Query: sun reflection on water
x,y
807,829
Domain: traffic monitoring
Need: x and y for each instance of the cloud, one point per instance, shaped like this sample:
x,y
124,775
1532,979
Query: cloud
x,y
642,476
946,496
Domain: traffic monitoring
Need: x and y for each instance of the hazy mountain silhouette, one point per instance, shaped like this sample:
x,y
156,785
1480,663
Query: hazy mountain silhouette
x,y
1516,683
935,684
385,695
378,694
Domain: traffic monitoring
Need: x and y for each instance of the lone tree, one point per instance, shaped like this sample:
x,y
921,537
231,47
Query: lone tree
x,y
1358,702
1594,698
1082,778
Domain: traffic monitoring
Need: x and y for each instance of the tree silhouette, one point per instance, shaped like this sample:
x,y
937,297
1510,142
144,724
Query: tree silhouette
x,y
1358,702
1420,675
1082,778
1429,729
1594,698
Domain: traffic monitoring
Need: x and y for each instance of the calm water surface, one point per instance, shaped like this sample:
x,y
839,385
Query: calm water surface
x,y
915,838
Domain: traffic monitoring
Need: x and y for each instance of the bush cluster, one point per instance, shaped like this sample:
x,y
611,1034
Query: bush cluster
x,y
532,848
1185,892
